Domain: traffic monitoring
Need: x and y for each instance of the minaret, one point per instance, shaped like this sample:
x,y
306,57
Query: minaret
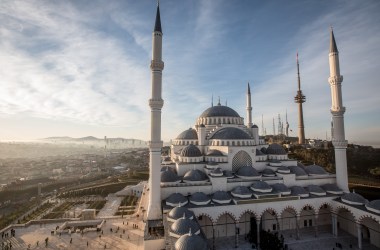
x,y
337,111
300,98
287,124
155,143
249,108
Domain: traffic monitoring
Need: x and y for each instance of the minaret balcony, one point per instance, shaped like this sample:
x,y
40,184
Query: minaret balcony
x,y
338,111
334,80
156,103
156,65
340,143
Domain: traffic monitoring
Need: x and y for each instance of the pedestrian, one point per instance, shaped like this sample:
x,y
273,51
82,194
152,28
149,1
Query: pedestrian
x,y
87,243
71,240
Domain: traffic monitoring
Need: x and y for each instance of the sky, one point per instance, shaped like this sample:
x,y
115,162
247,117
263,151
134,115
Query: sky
x,y
80,68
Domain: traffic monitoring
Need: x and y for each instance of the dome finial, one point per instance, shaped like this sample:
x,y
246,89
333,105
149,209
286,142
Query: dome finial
x,y
157,25
249,89
212,100
219,101
333,47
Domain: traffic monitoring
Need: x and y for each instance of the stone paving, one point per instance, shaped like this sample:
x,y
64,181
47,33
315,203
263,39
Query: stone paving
x,y
111,206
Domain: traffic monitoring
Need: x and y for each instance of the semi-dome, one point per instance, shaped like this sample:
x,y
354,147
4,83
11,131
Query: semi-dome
x,y
373,206
241,192
315,170
176,199
281,188
214,152
199,198
261,186
230,133
275,149
353,199
332,189
194,175
221,197
183,226
316,190
268,172
217,172
169,176
299,191
189,134
191,151
247,172
190,242
178,212
219,110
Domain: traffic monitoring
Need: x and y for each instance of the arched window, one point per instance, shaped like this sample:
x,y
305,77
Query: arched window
x,y
241,159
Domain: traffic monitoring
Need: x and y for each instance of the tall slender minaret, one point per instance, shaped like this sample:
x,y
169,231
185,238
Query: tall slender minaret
x,y
155,103
337,111
287,124
300,98
249,108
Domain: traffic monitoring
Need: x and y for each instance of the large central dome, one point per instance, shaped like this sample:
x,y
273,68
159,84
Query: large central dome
x,y
218,111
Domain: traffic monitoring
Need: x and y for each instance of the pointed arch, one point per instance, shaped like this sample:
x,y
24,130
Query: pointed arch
x,y
249,211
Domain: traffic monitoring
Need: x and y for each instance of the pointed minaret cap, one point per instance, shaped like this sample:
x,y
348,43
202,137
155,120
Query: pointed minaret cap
x,y
249,89
333,48
157,25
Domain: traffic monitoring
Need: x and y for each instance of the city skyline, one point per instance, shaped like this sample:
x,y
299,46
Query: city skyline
x,y
82,68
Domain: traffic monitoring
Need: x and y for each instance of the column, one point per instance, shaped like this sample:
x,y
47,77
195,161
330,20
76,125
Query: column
x,y
316,225
359,228
237,234
258,232
334,218
298,227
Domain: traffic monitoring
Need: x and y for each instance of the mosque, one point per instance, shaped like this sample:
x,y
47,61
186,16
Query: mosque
x,y
222,179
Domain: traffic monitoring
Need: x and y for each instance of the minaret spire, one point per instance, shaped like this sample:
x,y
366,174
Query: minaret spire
x,y
300,98
155,144
337,111
249,107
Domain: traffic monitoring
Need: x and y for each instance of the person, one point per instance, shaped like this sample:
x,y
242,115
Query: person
x,y
71,240
87,243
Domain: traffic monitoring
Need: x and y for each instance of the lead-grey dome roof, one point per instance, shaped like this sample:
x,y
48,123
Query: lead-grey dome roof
x,y
247,171
280,187
315,189
260,185
298,171
259,152
375,204
169,176
214,152
298,190
190,242
191,151
183,225
353,198
189,134
230,133
315,170
219,110
199,197
179,212
242,190
195,175
176,198
268,172
221,196
275,149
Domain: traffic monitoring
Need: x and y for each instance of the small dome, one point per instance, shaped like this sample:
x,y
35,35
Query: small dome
x,y
169,176
176,199
283,170
264,150
373,206
190,134
315,170
261,186
214,152
353,199
217,172
332,189
195,175
190,242
247,171
230,133
228,174
178,212
298,171
183,226
221,197
219,110
300,191
199,198
241,192
191,151
281,188
275,149
259,152
254,126
316,190
268,172
166,168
